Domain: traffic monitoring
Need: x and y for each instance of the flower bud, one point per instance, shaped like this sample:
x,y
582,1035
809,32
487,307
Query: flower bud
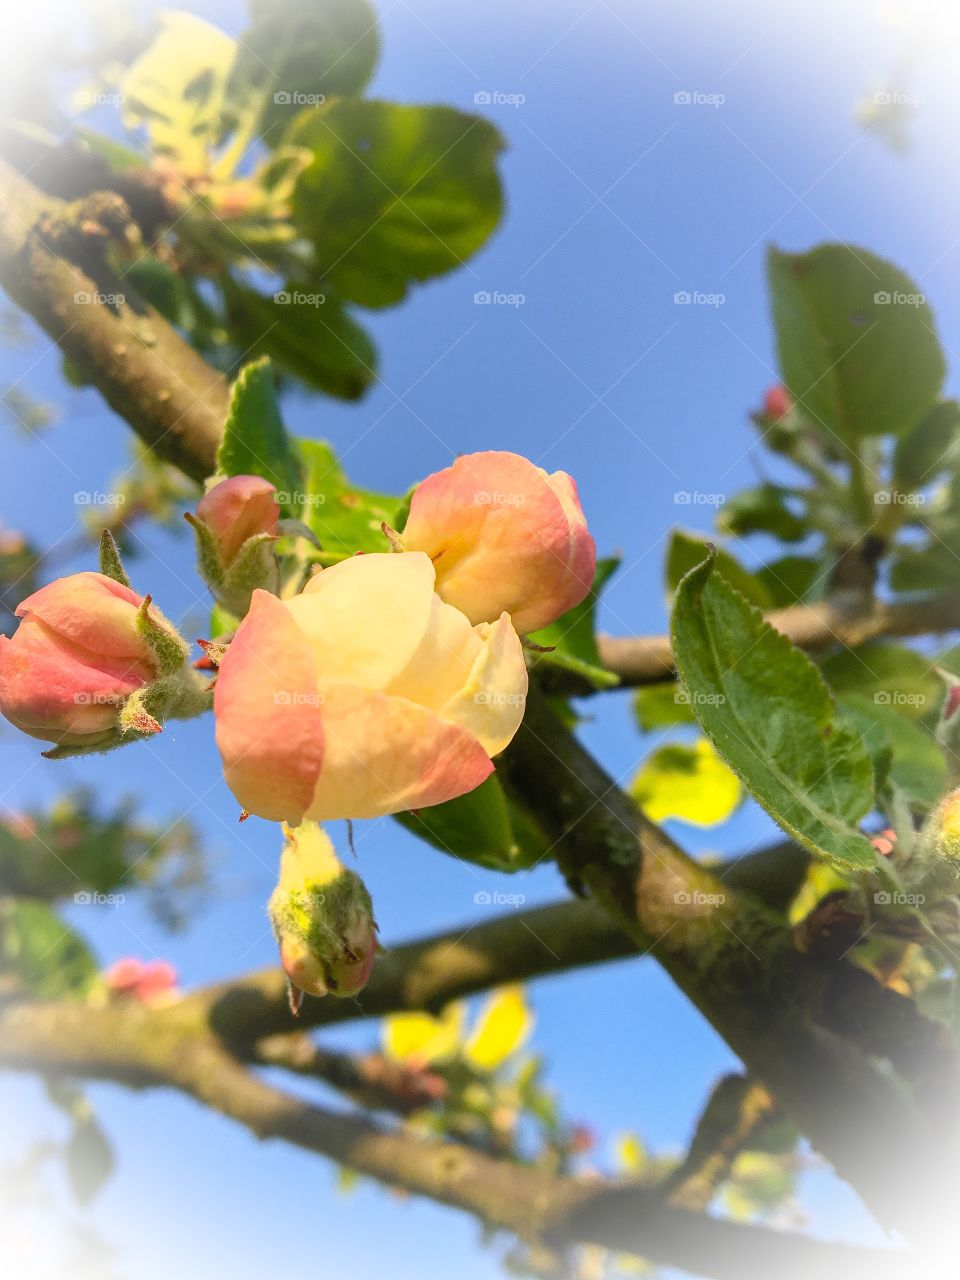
x,y
75,659
504,536
777,402
147,982
236,524
92,663
322,918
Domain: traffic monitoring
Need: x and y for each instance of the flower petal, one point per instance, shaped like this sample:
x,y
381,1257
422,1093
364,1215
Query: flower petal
x,y
490,705
384,754
269,727
93,611
366,617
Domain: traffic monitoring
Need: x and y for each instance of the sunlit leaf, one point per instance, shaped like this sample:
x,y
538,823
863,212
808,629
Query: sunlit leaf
x,y
503,1025
423,1039
254,439
395,193
688,781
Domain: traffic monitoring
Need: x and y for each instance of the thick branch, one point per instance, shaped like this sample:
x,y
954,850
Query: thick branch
x,y
147,373
137,1046
805,1027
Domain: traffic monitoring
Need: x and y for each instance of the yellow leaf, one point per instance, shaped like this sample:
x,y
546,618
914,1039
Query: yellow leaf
x,y
687,781
175,89
420,1038
630,1155
504,1024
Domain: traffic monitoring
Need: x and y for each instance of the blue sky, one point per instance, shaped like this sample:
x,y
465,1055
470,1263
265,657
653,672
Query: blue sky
x,y
618,198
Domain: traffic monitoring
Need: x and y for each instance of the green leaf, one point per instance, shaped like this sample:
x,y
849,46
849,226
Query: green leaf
x,y
45,956
790,580
298,52
890,675
768,712
254,439
688,549
482,827
902,750
310,335
929,449
661,706
89,1160
344,517
573,637
688,781
857,345
763,509
175,89
395,194
932,568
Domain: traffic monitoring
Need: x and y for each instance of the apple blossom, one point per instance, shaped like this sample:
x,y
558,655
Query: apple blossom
x,y
75,659
236,524
504,536
322,918
93,663
365,695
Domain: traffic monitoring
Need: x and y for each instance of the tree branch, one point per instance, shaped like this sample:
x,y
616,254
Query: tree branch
x,y
430,972
807,1028
641,660
145,371
133,1045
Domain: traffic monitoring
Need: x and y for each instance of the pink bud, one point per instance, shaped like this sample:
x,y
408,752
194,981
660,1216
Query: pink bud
x,y
504,536
777,403
237,509
140,981
158,978
123,975
74,660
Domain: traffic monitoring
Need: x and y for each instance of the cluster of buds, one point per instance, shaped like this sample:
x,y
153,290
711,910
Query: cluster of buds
x,y
236,524
322,918
93,665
